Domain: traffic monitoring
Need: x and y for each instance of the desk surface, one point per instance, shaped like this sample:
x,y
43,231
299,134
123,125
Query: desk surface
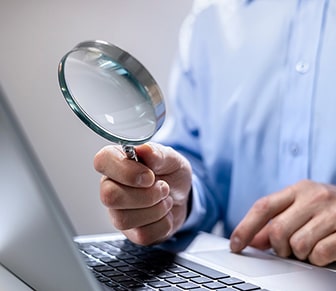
x,y
9,282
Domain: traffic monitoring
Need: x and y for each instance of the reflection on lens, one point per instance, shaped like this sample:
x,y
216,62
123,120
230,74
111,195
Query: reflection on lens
x,y
108,94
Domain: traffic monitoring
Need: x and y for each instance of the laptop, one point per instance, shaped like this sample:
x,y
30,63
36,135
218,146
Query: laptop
x,y
39,245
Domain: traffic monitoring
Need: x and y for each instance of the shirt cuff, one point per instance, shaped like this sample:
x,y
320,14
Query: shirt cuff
x,y
197,211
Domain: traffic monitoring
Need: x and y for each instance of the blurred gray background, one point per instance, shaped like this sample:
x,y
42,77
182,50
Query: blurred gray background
x,y
35,34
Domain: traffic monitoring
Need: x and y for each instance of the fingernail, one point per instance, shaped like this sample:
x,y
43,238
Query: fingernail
x,y
236,244
164,188
144,179
169,202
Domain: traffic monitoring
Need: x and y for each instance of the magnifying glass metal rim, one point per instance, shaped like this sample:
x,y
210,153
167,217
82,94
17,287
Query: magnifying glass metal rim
x,y
144,80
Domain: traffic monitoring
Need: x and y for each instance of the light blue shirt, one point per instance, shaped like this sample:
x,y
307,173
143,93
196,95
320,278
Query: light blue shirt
x,y
253,102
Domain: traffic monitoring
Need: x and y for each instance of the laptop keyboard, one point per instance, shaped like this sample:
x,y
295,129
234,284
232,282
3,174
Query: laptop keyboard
x,y
123,265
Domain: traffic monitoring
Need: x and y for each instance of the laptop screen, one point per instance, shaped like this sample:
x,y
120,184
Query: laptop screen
x,y
36,237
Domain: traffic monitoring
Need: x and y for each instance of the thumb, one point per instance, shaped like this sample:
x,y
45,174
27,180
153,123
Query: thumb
x,y
162,160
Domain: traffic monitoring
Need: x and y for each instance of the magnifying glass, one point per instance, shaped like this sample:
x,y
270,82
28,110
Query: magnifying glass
x,y
112,93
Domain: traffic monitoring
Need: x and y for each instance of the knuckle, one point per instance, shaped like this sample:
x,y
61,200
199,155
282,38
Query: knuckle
x,y
322,193
108,195
160,213
277,230
119,220
300,246
321,254
262,205
148,198
304,183
278,236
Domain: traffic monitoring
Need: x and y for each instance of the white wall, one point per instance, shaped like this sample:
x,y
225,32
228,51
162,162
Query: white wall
x,y
34,36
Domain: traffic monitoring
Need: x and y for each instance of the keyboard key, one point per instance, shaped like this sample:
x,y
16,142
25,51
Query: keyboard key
x,y
111,273
103,268
111,284
165,274
213,274
189,275
188,286
177,269
144,288
119,288
231,281
176,280
125,269
102,279
246,287
124,256
116,263
93,263
172,288
120,278
159,284
214,285
201,280
130,284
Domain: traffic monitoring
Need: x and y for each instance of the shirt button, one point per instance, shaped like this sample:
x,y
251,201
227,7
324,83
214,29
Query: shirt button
x,y
294,149
302,67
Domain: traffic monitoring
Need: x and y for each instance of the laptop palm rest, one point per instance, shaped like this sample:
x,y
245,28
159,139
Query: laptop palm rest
x,y
263,264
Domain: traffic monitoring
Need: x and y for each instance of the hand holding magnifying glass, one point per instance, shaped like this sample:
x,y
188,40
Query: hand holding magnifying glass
x,y
112,93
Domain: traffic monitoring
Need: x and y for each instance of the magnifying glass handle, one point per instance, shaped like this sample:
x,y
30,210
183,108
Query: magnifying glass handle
x,y
130,152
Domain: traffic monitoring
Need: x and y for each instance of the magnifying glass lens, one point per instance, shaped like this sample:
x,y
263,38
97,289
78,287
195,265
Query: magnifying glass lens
x,y
103,90
112,93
